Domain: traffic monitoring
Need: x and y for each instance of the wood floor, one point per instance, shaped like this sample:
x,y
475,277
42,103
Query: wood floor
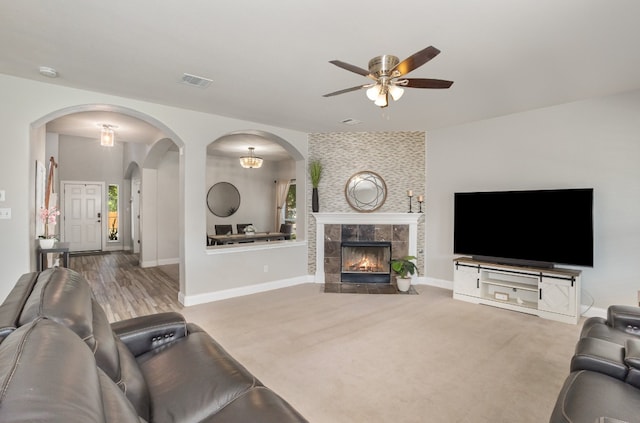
x,y
126,290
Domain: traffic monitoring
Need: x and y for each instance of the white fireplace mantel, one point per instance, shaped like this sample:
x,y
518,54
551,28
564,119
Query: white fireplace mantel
x,y
368,218
322,219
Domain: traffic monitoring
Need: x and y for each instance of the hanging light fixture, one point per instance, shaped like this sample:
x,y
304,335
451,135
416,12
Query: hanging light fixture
x,y
251,161
379,93
107,136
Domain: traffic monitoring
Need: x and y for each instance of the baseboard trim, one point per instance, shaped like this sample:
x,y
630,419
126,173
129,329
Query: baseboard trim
x,y
208,297
439,283
164,262
588,311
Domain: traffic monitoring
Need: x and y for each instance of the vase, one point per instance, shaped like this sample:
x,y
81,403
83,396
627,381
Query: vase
x,y
46,243
403,284
315,205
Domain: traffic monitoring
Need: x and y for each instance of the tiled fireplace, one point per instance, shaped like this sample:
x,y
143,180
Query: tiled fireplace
x,y
396,230
364,261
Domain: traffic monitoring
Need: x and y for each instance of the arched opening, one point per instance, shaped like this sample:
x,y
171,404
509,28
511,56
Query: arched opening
x,y
260,194
140,149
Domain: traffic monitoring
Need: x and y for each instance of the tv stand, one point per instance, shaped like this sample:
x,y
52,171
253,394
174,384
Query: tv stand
x,y
549,293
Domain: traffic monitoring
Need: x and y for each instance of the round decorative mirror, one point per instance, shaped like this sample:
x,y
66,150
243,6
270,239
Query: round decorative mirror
x,y
223,199
365,191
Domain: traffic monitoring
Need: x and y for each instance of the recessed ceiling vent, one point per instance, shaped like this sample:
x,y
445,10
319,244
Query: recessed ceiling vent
x,y
349,121
196,81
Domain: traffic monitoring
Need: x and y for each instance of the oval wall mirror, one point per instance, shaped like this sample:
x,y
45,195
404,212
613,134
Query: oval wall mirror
x,y
223,199
365,191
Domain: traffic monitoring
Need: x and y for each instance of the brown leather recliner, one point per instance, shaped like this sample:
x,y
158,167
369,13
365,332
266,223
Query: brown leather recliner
x,y
155,368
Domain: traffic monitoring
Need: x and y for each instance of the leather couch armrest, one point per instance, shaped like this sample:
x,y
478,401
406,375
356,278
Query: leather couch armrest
x,y
145,333
632,353
632,360
625,318
601,356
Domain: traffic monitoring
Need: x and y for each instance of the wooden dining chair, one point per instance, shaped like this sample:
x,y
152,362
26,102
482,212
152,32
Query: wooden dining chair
x,y
286,228
223,229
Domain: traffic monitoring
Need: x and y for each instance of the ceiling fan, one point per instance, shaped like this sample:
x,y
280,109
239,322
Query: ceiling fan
x,y
387,72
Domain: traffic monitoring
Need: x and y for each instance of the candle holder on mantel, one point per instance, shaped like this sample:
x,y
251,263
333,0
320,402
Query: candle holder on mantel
x,y
410,195
420,201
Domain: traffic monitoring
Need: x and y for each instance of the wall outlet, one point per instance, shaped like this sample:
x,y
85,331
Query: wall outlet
x,y
266,268
5,213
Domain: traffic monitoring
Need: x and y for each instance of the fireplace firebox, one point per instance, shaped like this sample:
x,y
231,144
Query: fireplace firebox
x,y
366,262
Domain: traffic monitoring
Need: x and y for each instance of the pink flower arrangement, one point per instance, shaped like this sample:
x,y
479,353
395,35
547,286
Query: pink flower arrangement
x,y
48,216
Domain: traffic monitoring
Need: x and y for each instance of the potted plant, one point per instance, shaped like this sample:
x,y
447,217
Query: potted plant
x,y
315,171
403,268
48,217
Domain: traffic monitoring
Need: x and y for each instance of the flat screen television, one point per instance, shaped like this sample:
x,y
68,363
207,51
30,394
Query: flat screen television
x,y
536,228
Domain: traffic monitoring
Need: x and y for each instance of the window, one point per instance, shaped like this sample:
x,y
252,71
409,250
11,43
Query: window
x,y
113,212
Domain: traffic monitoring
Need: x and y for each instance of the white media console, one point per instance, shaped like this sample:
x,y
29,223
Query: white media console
x,y
549,293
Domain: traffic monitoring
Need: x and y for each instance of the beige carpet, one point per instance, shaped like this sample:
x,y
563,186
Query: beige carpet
x,y
395,358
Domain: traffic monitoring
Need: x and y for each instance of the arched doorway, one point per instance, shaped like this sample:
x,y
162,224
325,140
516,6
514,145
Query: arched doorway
x,y
133,153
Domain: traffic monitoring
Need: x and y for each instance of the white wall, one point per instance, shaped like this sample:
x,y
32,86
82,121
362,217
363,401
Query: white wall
x,y
32,103
168,233
593,143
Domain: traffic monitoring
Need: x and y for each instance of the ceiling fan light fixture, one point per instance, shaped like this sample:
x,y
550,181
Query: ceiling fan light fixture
x,y
396,92
107,136
251,161
386,70
373,92
382,100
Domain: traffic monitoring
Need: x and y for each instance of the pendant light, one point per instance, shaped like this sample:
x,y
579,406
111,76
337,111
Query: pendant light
x,y
251,161
107,136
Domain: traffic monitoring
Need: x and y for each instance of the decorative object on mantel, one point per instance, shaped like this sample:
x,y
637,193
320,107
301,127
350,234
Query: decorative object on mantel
x,y
410,195
403,267
420,201
315,172
249,230
365,191
251,161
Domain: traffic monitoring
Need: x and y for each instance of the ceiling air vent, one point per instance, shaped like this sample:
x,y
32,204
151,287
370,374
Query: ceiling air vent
x,y
196,81
349,121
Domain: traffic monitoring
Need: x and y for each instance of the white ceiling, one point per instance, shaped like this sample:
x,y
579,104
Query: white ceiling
x,y
269,60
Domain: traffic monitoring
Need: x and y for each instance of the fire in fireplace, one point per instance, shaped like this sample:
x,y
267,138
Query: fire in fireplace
x,y
366,262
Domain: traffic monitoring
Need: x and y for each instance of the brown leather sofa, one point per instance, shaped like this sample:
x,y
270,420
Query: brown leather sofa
x,y
61,361
604,383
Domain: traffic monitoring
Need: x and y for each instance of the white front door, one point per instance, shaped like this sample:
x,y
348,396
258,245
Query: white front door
x,y
83,216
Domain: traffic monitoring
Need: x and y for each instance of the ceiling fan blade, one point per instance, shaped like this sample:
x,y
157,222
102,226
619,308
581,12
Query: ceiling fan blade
x,y
349,67
346,90
426,83
416,60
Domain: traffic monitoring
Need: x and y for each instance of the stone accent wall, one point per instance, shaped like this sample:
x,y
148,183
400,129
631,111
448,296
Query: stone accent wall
x,y
398,157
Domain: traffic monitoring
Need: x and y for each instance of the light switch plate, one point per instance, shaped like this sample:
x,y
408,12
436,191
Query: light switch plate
x,y
2,195
5,213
